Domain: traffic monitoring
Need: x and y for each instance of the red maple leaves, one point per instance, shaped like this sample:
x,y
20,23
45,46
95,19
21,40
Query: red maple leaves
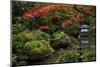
x,y
46,27
88,9
66,23
78,19
41,11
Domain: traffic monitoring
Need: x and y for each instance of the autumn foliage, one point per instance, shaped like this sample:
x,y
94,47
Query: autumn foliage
x,y
45,33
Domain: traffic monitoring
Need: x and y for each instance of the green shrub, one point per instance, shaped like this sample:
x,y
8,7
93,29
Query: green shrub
x,y
27,36
23,51
18,60
61,40
18,41
40,35
18,56
38,49
34,35
17,28
89,54
68,56
74,43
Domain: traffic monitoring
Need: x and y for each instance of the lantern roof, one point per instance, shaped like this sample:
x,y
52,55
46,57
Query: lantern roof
x,y
84,26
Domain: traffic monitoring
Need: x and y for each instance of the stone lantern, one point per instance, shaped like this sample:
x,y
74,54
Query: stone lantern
x,y
84,40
